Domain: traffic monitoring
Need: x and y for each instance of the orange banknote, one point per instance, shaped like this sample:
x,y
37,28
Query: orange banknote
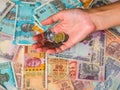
x,y
113,45
34,70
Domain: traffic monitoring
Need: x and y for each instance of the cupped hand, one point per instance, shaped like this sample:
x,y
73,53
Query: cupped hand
x,y
74,22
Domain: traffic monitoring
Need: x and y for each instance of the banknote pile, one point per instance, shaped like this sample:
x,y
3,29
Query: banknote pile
x,y
92,64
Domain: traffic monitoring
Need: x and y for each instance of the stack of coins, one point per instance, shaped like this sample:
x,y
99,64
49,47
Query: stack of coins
x,y
55,40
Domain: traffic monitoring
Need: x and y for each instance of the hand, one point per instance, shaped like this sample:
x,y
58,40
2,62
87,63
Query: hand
x,y
74,22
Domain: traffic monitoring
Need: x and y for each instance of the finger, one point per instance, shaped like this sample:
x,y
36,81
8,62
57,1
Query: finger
x,y
54,18
38,37
42,49
37,45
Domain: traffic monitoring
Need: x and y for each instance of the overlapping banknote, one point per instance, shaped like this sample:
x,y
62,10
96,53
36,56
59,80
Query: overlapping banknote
x,y
5,7
8,23
7,76
113,45
8,51
112,75
34,70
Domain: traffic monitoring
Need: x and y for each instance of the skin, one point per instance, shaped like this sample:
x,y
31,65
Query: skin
x,y
78,24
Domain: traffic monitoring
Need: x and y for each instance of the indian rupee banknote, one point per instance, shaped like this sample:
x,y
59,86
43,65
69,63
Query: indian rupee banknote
x,y
34,70
112,81
65,85
23,31
86,3
82,85
8,23
52,7
18,64
7,77
57,68
8,51
113,45
116,30
99,46
98,3
5,7
90,71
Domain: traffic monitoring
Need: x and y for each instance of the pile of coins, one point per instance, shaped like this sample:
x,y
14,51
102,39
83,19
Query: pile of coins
x,y
55,40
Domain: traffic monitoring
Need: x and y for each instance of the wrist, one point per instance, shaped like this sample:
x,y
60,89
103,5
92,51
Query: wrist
x,y
106,16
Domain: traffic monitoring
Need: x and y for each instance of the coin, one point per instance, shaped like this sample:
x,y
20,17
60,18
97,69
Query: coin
x,y
49,35
56,38
60,37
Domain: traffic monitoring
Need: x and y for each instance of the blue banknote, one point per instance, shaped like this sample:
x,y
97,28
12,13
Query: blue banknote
x,y
7,76
112,81
7,24
52,7
23,32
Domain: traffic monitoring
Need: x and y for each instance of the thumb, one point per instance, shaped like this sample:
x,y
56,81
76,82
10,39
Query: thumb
x,y
54,18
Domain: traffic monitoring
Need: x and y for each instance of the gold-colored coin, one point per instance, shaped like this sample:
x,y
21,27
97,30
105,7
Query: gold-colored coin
x,y
60,37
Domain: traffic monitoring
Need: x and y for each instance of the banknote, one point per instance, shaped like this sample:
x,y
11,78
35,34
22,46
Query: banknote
x,y
113,45
90,71
57,68
98,3
74,52
34,70
116,30
51,84
5,7
72,68
86,3
7,78
112,81
8,23
23,31
18,66
98,54
65,85
52,7
82,85
29,1
7,49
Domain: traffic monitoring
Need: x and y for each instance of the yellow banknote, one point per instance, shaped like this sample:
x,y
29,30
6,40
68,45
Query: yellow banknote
x,y
57,68
34,70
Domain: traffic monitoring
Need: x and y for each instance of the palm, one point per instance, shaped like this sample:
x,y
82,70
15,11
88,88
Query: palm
x,y
75,23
